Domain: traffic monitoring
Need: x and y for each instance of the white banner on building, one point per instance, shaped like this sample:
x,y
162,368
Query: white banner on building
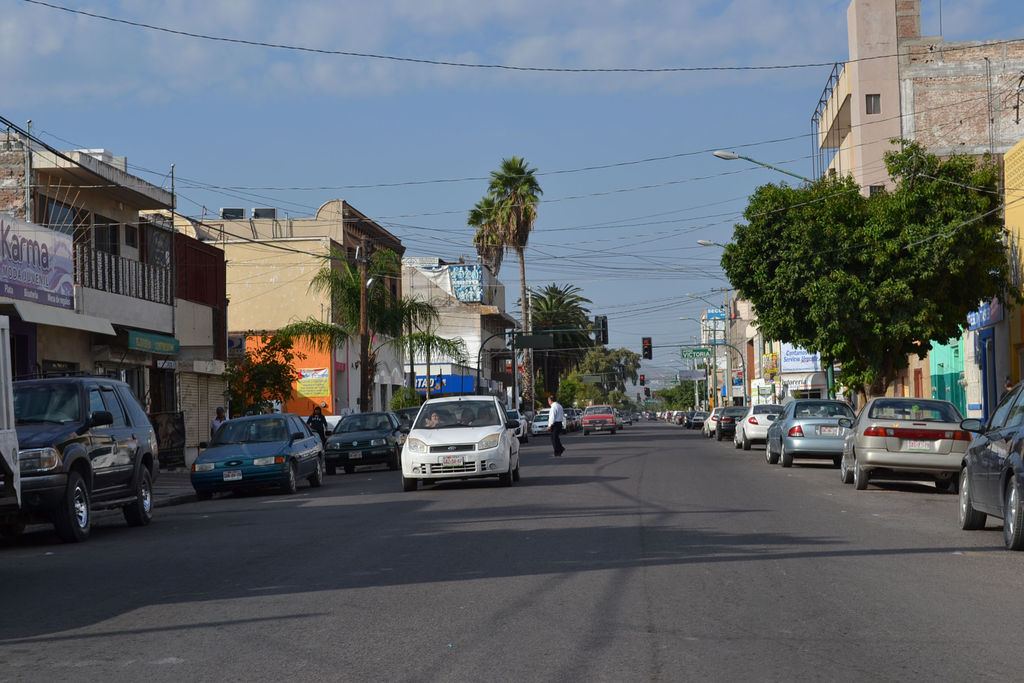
x,y
795,359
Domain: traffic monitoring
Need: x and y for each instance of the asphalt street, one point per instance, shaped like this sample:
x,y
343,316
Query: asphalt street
x,y
650,555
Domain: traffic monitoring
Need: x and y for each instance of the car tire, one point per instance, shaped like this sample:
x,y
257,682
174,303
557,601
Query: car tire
x,y
613,432
736,444
860,476
316,480
409,484
332,469
73,517
505,478
515,473
140,512
845,473
785,457
12,528
204,495
836,459
746,443
718,435
290,485
586,432
1013,515
393,463
969,518
349,469
770,456
947,485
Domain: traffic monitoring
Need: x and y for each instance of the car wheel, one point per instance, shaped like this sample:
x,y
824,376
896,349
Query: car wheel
x,y
515,472
393,463
770,456
73,517
718,435
736,444
1013,516
409,484
12,528
860,476
349,469
505,478
970,519
140,512
613,432
586,432
746,443
204,495
947,484
290,484
316,480
785,457
845,473
332,469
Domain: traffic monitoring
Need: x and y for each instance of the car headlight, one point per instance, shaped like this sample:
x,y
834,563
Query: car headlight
x,y
38,459
377,442
269,460
416,446
488,442
202,466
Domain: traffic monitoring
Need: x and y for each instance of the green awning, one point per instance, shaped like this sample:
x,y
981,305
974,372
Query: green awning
x,y
153,343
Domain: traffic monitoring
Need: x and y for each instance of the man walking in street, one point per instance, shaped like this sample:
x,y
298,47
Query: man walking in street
x,y
555,425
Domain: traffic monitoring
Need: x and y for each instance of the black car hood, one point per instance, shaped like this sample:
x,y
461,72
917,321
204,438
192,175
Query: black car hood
x,y
42,434
365,435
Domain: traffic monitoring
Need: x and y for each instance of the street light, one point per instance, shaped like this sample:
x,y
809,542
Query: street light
x,y
729,156
709,243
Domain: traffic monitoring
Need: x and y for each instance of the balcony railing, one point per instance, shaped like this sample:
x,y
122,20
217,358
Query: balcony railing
x,y
118,275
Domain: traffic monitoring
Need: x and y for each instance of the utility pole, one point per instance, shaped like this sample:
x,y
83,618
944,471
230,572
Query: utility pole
x,y
528,353
364,328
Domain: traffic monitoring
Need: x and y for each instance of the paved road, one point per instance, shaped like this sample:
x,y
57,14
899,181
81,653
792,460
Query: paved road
x,y
651,555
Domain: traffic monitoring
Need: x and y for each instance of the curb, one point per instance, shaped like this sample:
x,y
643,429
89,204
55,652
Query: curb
x,y
177,499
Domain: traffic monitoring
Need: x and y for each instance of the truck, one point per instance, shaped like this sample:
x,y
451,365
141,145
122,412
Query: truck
x,y
10,491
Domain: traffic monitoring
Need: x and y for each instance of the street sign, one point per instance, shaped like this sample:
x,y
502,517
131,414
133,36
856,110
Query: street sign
x,y
696,352
690,375
590,379
535,341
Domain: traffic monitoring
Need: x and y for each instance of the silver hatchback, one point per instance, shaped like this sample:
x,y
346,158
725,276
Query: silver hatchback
x,y
808,428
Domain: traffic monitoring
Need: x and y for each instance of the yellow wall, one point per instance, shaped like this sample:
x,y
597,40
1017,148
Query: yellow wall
x,y
1013,169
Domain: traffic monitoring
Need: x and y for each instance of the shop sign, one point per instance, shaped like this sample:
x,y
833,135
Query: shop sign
x,y
769,365
313,383
446,384
153,343
987,314
795,359
36,264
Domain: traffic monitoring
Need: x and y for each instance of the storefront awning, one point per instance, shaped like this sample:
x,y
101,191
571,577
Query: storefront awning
x,y
153,343
61,317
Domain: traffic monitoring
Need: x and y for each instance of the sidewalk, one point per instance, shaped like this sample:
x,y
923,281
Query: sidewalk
x,y
173,487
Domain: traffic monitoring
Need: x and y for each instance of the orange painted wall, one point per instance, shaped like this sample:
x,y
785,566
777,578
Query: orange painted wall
x,y
314,359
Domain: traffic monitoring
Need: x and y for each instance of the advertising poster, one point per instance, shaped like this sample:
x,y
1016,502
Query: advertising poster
x,y
795,359
314,383
36,264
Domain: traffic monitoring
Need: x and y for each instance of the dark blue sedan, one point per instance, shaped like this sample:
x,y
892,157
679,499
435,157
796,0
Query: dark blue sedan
x,y
259,451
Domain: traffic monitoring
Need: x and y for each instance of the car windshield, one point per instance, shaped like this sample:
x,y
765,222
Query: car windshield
x,y
700,414
458,414
597,410
46,403
823,409
363,423
914,411
252,431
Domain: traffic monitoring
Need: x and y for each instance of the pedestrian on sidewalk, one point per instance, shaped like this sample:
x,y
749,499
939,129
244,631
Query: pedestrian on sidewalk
x,y
216,422
318,423
555,425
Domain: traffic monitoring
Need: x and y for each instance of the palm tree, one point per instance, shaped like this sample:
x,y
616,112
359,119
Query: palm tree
x,y
562,308
516,193
487,240
410,322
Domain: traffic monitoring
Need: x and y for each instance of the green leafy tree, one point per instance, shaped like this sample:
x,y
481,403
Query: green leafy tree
x,y
569,390
405,398
679,397
866,281
561,307
612,368
263,375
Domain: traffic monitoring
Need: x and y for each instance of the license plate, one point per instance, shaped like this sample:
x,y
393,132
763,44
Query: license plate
x,y
451,460
355,455
232,475
830,431
919,445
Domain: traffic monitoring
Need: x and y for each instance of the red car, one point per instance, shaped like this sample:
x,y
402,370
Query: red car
x,y
598,419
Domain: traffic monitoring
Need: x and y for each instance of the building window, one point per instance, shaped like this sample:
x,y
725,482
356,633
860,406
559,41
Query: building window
x,y
875,189
874,104
131,236
106,235
63,218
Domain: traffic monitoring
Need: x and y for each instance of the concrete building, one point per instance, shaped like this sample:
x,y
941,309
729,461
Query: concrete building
x,y
272,259
471,303
89,281
950,97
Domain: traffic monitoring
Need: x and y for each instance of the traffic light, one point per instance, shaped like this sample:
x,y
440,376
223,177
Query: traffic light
x,y
647,392
643,380
647,354
600,329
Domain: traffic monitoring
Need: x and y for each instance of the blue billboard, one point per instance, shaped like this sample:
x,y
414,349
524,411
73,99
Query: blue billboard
x,y
446,384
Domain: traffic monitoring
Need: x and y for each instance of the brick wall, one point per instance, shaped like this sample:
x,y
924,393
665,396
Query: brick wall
x,y
12,176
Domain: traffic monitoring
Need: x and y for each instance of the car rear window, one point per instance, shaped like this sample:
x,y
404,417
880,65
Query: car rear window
x,y
597,410
914,411
765,409
823,409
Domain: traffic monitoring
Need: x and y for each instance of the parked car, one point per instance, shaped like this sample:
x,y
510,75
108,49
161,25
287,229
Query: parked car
x,y
618,419
808,428
753,426
900,438
539,425
599,419
406,416
573,419
726,425
522,431
708,428
259,451
697,419
85,444
459,446
365,439
992,472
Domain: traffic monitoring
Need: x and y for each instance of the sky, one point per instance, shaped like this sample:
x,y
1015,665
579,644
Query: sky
x,y
624,158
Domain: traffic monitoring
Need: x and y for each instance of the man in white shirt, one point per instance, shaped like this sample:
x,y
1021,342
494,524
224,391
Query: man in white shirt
x,y
216,422
556,418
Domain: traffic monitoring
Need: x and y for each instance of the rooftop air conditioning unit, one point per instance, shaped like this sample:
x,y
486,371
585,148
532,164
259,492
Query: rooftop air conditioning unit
x,y
264,213
232,214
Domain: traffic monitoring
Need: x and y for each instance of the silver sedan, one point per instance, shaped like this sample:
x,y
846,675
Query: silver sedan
x,y
901,438
807,428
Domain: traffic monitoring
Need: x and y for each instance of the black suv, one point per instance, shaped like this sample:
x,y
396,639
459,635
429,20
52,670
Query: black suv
x,y
85,444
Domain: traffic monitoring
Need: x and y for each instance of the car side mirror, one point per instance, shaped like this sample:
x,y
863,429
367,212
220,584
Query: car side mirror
x,y
298,435
972,424
100,418
512,424
845,422
404,429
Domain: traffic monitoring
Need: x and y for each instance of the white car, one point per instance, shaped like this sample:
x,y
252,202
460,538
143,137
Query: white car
x,y
540,423
753,426
523,430
711,422
461,437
